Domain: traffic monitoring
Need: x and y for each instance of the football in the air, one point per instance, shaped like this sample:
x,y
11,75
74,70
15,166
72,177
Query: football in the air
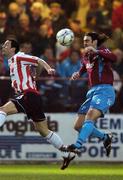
x,y
65,37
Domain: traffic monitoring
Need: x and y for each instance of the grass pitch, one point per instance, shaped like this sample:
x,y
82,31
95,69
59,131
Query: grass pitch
x,y
52,172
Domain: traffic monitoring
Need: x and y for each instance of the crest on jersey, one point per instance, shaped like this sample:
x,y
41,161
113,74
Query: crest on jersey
x,y
90,65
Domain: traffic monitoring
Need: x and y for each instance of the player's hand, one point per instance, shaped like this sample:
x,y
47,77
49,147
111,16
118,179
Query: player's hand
x,y
90,49
51,71
75,76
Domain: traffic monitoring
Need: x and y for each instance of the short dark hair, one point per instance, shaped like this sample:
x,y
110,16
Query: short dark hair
x,y
101,38
14,44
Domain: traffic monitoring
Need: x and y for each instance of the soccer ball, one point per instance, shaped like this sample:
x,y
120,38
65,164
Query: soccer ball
x,y
65,37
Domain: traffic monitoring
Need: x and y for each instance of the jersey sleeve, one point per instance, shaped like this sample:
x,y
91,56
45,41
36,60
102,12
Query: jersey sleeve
x,y
27,59
82,69
107,55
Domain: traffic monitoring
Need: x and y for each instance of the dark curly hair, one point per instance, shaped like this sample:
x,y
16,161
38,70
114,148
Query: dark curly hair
x,y
14,43
101,38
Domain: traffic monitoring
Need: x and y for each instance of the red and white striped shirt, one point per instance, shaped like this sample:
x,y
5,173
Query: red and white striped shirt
x,y
20,72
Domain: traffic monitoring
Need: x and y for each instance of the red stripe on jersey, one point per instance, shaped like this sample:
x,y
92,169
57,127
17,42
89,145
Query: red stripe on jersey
x,y
12,60
27,59
20,74
15,85
20,60
28,75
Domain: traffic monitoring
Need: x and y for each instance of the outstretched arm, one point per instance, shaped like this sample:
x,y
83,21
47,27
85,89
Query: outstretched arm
x,y
76,75
46,66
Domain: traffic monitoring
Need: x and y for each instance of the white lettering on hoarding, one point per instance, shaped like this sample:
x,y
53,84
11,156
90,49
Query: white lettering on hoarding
x,y
18,134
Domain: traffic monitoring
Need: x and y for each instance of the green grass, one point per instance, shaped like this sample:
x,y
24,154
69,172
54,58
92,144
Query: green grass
x,y
53,172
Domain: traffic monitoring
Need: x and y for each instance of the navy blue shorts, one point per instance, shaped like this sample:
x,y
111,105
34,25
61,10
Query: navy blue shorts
x,y
30,103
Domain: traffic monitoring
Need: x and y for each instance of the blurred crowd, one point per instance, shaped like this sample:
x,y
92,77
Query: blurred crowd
x,y
35,24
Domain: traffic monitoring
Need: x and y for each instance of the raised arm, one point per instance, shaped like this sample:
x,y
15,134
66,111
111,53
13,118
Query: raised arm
x,y
107,55
104,52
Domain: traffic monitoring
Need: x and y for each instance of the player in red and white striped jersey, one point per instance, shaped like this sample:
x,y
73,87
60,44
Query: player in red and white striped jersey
x,y
29,102
20,72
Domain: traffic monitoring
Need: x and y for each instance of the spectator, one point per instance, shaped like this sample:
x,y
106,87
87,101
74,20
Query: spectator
x,y
106,8
81,14
24,31
75,25
72,4
94,16
117,14
40,40
118,65
4,69
3,32
13,15
117,84
47,21
46,10
49,57
58,17
26,46
71,89
70,64
50,87
117,24
4,3
22,5
35,15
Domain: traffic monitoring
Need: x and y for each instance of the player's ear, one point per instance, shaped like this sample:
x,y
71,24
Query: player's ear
x,y
13,49
95,42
